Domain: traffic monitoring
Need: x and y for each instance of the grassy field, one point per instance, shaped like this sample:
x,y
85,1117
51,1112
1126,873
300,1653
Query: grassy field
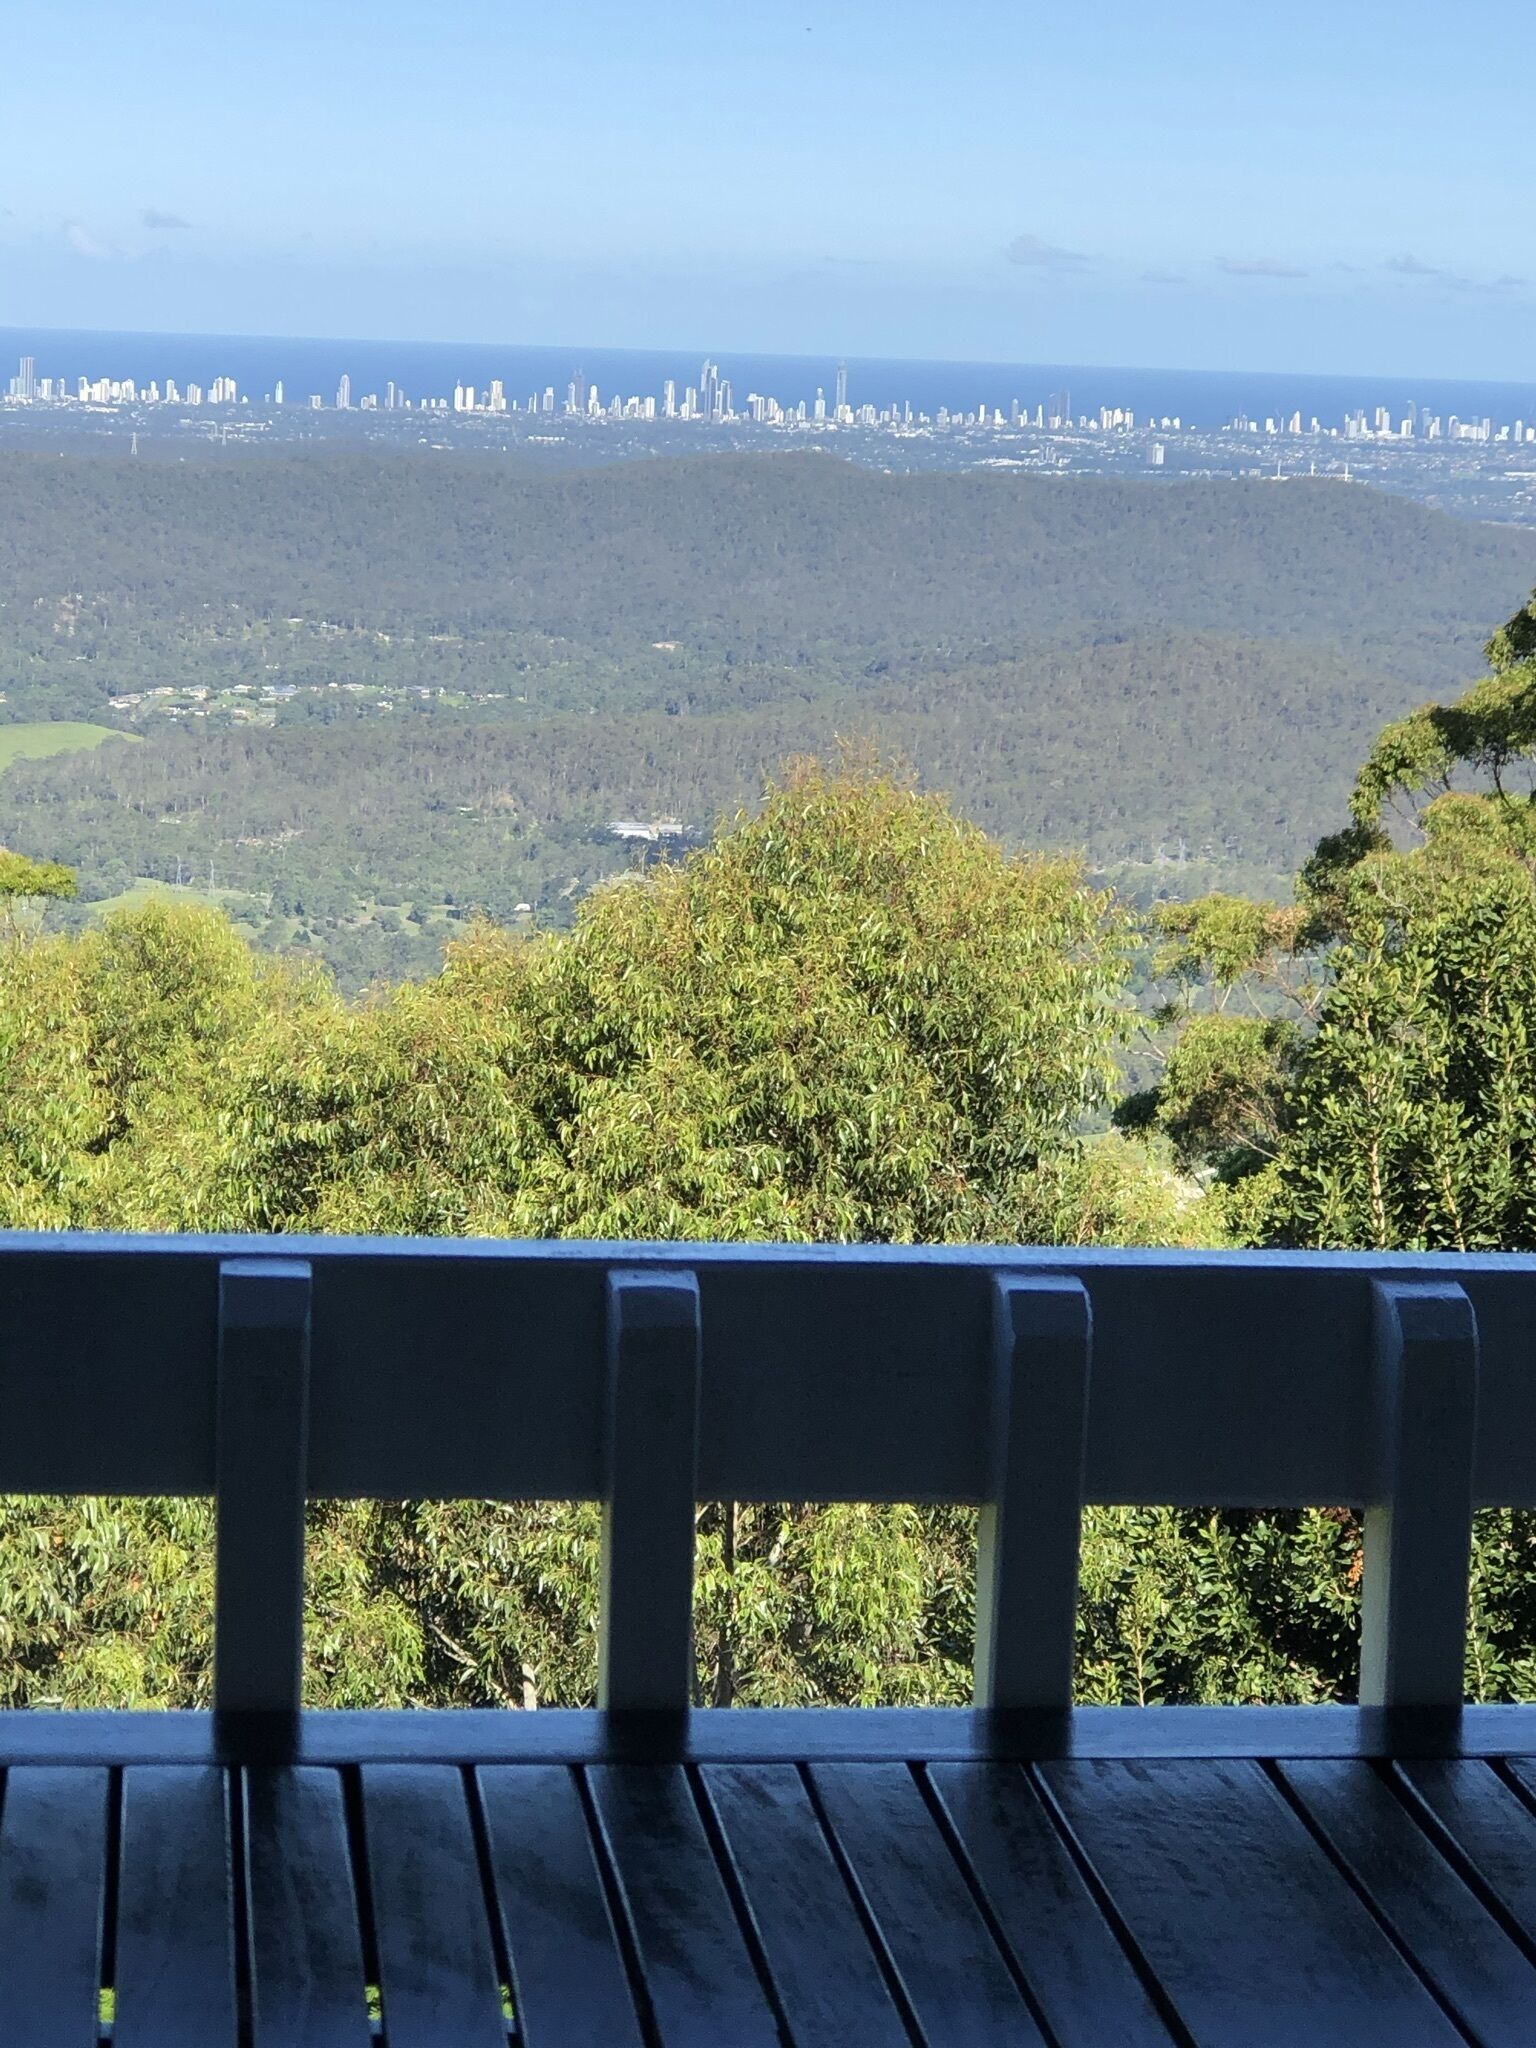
x,y
147,890
35,742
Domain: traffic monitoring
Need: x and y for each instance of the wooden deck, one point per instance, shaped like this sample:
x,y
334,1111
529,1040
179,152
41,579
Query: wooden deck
x,y
750,1898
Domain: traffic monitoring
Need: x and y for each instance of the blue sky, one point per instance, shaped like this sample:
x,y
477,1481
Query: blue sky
x,y
1310,187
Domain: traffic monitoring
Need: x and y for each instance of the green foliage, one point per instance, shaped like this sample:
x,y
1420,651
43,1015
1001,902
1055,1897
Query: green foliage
x,y
1195,1606
33,878
51,1111
1216,940
1412,1115
1409,1114
1222,1098
852,1017
1515,640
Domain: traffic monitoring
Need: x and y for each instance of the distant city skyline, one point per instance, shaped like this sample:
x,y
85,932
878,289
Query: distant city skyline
x,y
712,401
1320,187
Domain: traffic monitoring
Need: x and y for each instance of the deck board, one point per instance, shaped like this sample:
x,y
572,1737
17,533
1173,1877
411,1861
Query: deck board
x,y
307,1978
1491,1825
1084,1983
569,1983
176,1985
954,1975
1482,1975
53,1862
1208,1903
1239,1912
824,1969
437,1967
699,1979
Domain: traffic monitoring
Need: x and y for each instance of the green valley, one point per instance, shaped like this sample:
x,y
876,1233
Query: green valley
x,y
377,693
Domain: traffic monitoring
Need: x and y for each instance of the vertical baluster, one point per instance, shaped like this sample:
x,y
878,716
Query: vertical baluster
x,y
261,1465
1418,1527
646,1645
1031,1527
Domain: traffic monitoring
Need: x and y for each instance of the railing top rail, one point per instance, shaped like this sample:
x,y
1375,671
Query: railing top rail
x,y
476,1369
606,1252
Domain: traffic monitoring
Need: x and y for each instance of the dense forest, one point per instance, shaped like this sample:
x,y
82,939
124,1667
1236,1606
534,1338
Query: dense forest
x,y
488,667
852,1016
781,559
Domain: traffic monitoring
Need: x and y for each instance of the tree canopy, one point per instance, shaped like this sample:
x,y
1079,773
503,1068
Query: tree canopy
x,y
1386,1097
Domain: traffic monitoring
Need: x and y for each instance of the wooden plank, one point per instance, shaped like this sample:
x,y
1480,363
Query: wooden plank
x,y
1029,1537
569,1984
698,1977
1418,1524
308,1988
53,1862
263,1452
1490,1823
1252,1934
645,1601
175,1957
950,1968
1086,1989
1480,1973
827,1980
437,1969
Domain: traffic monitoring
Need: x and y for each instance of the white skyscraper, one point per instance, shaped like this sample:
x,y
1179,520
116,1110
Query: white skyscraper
x,y
344,394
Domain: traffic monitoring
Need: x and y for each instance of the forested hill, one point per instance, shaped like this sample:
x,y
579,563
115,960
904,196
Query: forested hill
x,y
427,683
790,559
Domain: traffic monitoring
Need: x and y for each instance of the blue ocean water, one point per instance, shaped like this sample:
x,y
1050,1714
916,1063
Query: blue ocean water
x,y
1203,398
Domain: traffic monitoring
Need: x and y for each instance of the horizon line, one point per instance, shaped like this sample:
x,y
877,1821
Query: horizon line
x,y
711,350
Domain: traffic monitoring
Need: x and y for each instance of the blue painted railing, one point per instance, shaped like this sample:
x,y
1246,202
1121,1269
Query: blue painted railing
x,y
269,1371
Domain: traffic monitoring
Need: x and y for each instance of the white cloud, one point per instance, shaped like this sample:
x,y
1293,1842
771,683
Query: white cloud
x,y
84,243
1257,266
1037,254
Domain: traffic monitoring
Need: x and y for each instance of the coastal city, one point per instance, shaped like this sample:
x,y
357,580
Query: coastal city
x,y
1476,465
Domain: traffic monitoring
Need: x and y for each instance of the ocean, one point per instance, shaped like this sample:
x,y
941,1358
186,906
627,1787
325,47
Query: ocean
x,y
1202,398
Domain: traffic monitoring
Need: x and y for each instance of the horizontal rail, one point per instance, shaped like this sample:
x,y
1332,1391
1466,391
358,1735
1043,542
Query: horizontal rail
x,y
579,1735
479,1370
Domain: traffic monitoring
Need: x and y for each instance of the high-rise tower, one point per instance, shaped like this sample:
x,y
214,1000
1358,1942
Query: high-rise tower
x,y
842,386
